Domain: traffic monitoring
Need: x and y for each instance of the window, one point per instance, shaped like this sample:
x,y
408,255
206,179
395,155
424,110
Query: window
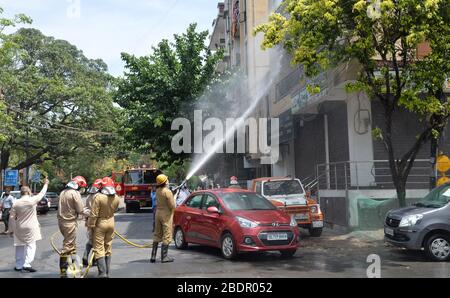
x,y
246,201
195,202
141,176
258,187
210,202
282,188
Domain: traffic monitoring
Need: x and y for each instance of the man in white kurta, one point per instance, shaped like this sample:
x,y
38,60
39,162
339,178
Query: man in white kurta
x,y
25,226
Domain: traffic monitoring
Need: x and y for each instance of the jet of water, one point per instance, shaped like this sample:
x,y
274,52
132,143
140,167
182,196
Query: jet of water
x,y
262,88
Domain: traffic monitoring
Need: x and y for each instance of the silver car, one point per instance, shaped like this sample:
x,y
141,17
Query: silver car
x,y
425,225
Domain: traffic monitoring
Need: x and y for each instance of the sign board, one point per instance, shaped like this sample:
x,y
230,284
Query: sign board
x,y
443,164
286,127
303,98
11,178
36,177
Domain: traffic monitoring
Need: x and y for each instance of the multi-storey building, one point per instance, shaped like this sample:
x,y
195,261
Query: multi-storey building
x,y
326,138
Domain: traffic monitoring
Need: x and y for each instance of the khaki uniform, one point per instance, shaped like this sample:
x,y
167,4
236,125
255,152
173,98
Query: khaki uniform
x,y
90,232
70,207
101,220
165,203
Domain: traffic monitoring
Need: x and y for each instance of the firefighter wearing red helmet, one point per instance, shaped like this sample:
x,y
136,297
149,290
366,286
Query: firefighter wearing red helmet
x,y
70,208
92,193
101,219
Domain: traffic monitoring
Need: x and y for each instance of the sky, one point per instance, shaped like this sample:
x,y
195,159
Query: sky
x,y
105,28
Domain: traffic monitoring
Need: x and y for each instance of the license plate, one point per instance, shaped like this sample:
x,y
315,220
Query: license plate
x,y
303,216
389,231
277,236
317,224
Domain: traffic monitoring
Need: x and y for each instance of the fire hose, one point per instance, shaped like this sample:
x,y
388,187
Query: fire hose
x,y
73,270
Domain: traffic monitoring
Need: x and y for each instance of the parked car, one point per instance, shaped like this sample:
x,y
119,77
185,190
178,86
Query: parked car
x,y
53,198
43,206
425,225
288,194
235,221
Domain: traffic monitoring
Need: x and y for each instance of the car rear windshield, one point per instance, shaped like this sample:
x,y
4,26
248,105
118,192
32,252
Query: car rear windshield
x,y
282,188
437,198
246,201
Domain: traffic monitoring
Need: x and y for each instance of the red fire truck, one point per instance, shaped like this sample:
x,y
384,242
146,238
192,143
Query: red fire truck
x,y
136,185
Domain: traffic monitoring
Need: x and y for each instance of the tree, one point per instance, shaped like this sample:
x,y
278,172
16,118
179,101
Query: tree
x,y
163,86
6,49
59,101
383,37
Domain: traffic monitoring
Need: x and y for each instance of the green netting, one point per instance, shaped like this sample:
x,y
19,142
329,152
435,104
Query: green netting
x,y
371,213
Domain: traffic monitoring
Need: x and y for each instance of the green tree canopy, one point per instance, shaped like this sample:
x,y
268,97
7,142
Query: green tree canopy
x,y
59,101
6,49
383,36
163,86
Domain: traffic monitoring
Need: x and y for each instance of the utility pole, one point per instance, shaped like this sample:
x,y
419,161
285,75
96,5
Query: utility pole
x,y
433,158
27,152
434,150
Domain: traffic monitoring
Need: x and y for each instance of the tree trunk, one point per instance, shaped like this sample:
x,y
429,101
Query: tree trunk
x,y
401,192
4,159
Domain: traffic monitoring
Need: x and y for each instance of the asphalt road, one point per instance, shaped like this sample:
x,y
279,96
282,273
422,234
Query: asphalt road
x,y
332,255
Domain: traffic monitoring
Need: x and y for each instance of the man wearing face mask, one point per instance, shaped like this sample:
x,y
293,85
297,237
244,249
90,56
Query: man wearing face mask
x,y
70,208
26,228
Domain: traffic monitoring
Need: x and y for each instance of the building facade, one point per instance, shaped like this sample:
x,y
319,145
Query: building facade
x,y
325,139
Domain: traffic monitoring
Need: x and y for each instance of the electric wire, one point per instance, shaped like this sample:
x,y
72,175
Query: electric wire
x,y
56,124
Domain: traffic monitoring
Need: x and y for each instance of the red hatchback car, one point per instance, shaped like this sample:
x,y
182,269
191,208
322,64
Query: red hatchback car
x,y
235,221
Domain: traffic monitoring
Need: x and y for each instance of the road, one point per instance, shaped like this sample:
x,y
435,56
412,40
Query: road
x,y
332,255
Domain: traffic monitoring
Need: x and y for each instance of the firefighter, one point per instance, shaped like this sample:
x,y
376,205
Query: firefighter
x,y
101,220
93,191
70,208
234,184
164,218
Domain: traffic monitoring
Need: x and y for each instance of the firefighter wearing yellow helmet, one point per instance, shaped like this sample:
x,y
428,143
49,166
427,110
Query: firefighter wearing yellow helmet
x,y
165,203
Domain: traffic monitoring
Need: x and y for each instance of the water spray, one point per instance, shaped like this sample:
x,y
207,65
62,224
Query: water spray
x,y
240,121
230,133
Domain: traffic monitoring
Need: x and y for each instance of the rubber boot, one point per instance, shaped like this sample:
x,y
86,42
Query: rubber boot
x,y
101,266
154,251
164,257
63,266
108,265
86,254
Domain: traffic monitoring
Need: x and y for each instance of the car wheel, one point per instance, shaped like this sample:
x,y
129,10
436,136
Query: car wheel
x,y
288,253
180,241
228,246
438,247
315,232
